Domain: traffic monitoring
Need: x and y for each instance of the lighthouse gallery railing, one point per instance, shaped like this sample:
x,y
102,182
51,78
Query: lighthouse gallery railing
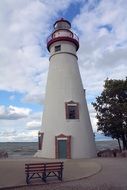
x,y
74,36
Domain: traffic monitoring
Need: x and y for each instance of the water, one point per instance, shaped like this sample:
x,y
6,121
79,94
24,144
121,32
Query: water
x,y
102,145
19,149
28,149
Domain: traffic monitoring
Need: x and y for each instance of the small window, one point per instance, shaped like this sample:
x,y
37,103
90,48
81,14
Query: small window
x,y
72,110
57,48
40,140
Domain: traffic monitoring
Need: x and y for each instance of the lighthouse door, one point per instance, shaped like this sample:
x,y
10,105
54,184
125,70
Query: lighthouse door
x,y
62,148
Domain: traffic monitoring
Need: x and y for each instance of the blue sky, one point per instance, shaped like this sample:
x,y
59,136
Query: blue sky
x,y
24,26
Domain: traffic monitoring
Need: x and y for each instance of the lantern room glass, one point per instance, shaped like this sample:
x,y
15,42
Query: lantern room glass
x,y
62,25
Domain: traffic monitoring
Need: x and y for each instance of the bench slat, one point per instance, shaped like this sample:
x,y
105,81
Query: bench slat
x,y
47,169
30,164
53,166
28,171
53,163
33,168
31,172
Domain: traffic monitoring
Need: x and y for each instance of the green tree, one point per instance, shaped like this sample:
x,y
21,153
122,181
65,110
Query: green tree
x,y
111,108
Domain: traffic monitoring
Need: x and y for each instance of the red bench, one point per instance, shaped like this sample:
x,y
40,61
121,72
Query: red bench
x,y
43,171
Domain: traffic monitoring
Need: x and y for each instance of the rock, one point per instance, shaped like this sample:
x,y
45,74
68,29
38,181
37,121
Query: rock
x,y
107,153
112,153
122,154
3,154
116,152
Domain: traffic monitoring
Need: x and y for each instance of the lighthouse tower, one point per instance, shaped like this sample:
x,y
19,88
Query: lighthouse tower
x,y
66,128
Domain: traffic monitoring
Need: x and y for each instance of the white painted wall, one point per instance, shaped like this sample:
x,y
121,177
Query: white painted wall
x,y
64,84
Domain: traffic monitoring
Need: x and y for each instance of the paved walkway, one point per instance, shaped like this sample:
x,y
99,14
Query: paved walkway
x,y
12,170
104,174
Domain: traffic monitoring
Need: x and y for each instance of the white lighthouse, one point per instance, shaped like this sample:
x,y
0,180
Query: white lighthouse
x,y
66,128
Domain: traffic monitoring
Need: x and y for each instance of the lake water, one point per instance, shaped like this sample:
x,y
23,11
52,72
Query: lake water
x,y
27,149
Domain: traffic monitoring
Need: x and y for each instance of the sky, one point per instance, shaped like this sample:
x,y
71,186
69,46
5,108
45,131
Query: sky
x,y
24,60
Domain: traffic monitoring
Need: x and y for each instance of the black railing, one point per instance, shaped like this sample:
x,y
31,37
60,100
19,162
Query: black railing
x,y
74,36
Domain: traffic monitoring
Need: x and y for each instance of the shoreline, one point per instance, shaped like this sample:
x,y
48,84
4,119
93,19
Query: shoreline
x,y
25,149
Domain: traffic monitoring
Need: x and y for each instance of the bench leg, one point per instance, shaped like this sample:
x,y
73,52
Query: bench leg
x,y
44,177
27,178
60,176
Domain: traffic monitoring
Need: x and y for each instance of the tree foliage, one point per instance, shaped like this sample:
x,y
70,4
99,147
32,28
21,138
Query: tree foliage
x,y
111,108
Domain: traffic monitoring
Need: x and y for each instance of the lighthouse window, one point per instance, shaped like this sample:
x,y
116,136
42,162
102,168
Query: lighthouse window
x,y
57,48
72,110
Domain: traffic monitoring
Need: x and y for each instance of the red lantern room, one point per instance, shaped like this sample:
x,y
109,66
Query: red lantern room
x,y
62,32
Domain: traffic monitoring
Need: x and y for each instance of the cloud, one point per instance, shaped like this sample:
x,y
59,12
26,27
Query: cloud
x,y
102,26
13,113
103,46
24,129
23,136
33,125
24,27
34,98
9,133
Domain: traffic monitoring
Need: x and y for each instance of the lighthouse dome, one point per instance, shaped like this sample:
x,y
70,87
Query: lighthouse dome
x,y
62,24
62,32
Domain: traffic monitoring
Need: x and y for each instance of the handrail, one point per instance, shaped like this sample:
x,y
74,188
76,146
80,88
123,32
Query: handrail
x,y
74,36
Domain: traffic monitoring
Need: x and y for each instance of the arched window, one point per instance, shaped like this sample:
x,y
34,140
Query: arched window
x,y
72,110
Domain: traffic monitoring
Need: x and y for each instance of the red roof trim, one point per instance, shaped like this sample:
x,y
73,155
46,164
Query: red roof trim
x,y
63,39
